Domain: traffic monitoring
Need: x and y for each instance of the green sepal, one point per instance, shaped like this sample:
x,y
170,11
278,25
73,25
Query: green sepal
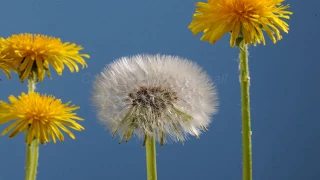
x,y
238,41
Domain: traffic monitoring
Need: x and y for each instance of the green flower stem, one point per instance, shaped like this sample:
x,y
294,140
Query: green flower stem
x,y
245,100
151,158
31,82
33,148
32,160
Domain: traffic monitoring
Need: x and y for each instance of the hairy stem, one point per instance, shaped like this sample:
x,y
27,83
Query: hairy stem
x,y
31,82
33,148
245,100
32,160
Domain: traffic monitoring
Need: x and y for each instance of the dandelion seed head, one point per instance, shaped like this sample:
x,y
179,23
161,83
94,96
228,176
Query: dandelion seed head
x,y
155,95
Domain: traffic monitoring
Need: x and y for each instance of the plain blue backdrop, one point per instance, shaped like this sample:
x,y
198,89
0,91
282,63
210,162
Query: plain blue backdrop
x,y
285,90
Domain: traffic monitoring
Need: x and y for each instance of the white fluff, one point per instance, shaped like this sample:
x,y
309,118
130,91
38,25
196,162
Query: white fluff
x,y
189,114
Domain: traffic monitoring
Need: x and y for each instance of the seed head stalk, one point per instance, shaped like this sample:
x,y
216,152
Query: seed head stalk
x,y
151,158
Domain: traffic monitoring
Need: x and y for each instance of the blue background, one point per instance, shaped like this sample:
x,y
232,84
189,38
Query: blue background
x,y
284,92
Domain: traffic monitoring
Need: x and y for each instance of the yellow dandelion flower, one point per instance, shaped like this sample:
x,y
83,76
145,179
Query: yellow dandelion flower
x,y
6,67
243,18
43,116
34,52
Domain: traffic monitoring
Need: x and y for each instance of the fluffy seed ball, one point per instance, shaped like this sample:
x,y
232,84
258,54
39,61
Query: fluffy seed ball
x,y
167,97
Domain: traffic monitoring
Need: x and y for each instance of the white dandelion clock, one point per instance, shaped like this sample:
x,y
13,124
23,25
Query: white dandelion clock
x,y
158,96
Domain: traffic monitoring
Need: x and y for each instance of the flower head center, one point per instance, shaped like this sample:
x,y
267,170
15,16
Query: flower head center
x,y
33,114
244,10
155,97
33,45
39,117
